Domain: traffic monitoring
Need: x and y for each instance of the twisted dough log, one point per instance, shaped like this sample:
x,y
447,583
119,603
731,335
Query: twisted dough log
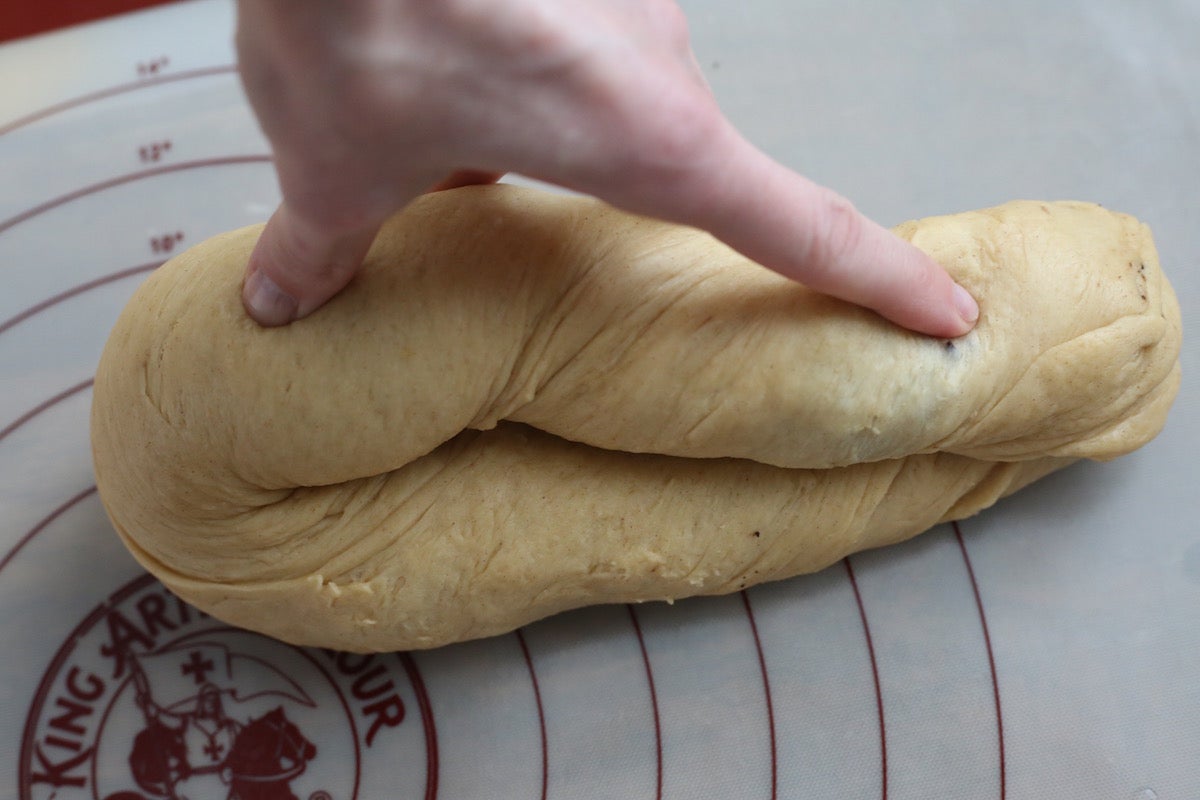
x,y
528,403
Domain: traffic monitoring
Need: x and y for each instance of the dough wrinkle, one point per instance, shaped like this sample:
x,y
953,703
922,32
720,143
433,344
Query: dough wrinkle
x,y
527,403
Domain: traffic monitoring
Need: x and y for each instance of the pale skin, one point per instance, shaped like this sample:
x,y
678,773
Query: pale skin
x,y
368,104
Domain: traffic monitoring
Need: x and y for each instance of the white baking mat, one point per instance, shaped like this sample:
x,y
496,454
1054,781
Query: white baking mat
x,y
1049,648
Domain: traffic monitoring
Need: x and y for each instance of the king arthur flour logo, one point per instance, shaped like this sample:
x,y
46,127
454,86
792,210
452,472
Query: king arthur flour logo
x,y
148,699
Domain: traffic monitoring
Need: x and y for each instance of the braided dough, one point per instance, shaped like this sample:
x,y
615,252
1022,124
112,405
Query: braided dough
x,y
528,403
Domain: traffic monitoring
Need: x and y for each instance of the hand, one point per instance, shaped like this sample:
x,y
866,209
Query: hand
x,y
370,103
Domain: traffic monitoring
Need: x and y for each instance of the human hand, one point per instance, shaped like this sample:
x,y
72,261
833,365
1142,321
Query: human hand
x,y
371,103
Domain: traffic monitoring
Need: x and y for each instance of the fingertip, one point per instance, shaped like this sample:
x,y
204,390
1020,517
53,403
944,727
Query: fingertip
x,y
295,268
943,309
817,237
967,307
265,302
901,282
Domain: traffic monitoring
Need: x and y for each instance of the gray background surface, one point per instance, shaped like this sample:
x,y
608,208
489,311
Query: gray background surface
x,y
1089,581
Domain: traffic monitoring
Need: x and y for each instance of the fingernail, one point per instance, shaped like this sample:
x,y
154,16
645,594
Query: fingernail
x,y
968,309
269,305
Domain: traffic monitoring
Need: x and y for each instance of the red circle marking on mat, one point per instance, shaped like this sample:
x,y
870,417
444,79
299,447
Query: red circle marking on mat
x,y
54,300
423,705
101,94
658,749
762,666
42,406
129,178
38,528
987,641
541,713
862,615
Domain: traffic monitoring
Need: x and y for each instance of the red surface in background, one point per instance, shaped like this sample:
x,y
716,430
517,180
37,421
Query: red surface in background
x,y
26,17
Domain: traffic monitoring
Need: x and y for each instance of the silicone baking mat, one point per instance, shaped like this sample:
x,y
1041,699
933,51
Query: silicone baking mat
x,y
1046,648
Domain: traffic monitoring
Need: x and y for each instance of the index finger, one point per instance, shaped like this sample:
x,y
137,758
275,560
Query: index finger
x,y
803,231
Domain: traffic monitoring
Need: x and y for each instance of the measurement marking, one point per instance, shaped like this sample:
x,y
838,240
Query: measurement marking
x,y
862,615
658,748
154,152
987,641
72,292
115,90
42,406
36,529
129,178
153,68
426,709
762,666
541,714
165,243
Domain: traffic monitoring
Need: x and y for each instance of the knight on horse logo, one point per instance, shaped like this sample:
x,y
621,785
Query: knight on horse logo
x,y
191,748
149,699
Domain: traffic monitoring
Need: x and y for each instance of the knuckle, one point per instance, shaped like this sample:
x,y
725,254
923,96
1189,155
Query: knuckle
x,y
537,33
675,139
662,159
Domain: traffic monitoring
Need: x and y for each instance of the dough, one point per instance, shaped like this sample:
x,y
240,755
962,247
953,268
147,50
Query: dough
x,y
528,403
